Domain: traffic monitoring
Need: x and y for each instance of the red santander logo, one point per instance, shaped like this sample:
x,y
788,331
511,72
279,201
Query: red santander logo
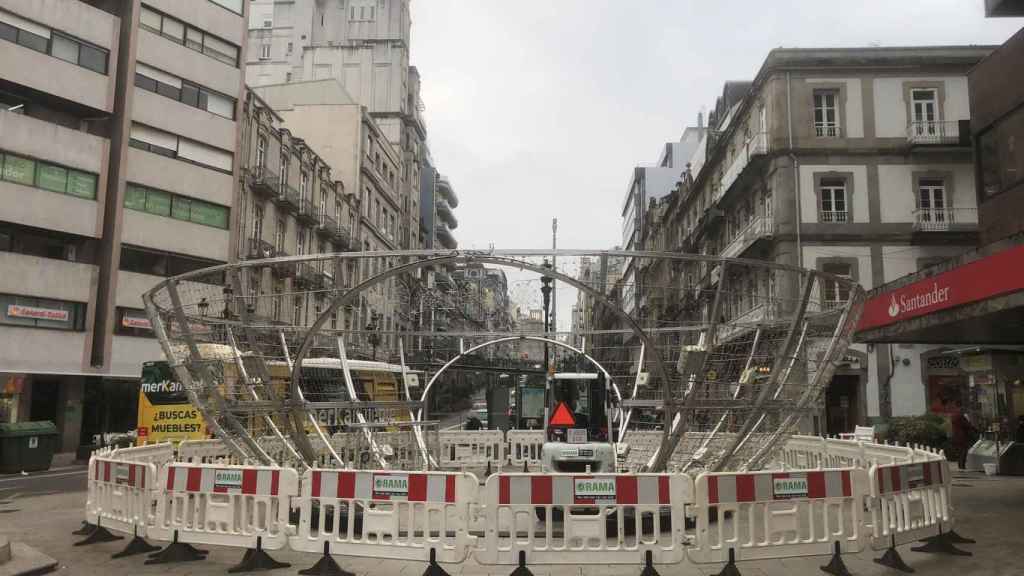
x,y
919,301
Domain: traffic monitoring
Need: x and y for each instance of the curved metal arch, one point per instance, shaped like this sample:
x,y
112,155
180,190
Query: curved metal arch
x,y
496,341
298,413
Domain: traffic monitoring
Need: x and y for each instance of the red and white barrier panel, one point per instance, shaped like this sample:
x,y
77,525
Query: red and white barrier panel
x,y
225,505
909,500
584,519
778,514
386,514
120,495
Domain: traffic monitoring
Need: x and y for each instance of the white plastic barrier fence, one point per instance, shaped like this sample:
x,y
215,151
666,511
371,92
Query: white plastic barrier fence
x,y
158,454
386,514
471,448
909,501
120,494
778,514
525,446
225,505
584,519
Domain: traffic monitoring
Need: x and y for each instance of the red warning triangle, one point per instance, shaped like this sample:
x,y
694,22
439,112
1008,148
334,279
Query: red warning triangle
x,y
562,416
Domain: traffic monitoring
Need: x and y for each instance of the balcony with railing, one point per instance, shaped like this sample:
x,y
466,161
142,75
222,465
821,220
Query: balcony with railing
x,y
308,276
945,219
827,130
943,133
259,249
340,237
264,181
754,147
833,216
287,198
307,212
283,269
326,226
757,229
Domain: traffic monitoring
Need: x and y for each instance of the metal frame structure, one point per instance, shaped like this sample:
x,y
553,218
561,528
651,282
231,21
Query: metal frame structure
x,y
226,425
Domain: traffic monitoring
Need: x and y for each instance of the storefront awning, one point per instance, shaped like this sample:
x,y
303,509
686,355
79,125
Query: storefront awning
x,y
975,298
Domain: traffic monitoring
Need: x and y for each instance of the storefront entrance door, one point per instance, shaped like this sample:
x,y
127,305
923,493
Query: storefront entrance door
x,y
841,404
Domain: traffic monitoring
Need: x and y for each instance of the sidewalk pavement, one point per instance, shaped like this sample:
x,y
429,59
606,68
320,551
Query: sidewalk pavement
x,y
988,509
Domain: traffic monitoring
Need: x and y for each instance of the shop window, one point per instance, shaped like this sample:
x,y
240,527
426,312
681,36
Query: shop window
x,y
133,322
42,313
47,176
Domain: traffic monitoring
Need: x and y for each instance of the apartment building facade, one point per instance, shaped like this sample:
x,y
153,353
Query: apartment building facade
x,y
365,46
117,135
290,204
855,162
367,167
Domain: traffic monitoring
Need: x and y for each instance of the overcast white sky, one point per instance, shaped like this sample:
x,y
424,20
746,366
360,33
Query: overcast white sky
x,y
539,108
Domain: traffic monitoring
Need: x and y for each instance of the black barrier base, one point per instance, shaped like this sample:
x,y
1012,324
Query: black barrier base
x,y
955,538
325,566
177,552
836,566
100,534
257,561
85,530
649,569
892,559
522,570
730,568
433,568
138,545
941,545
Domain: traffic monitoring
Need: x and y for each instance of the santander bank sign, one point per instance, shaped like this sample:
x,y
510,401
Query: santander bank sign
x,y
927,299
994,275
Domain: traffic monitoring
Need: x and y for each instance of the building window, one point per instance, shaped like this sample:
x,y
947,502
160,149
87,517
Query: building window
x,y
42,39
297,311
261,152
834,206
42,313
924,112
268,23
826,116
47,176
181,148
300,240
835,292
170,86
133,322
257,221
176,31
931,202
279,236
265,52
161,203
304,185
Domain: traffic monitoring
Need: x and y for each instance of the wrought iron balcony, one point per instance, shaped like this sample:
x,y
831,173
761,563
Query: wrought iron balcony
x,y
759,228
933,132
327,226
259,249
287,198
833,216
827,130
307,212
285,269
945,219
264,181
341,237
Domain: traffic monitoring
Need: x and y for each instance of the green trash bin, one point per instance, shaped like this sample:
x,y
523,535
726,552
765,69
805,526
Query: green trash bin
x,y
27,446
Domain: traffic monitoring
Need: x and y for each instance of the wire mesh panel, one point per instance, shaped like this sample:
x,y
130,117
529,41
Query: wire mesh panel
x,y
341,359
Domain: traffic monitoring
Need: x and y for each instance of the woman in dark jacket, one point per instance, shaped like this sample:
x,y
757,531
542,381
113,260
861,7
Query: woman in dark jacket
x,y
963,437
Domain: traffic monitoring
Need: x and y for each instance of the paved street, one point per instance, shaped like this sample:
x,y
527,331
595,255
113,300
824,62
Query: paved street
x,y
42,510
